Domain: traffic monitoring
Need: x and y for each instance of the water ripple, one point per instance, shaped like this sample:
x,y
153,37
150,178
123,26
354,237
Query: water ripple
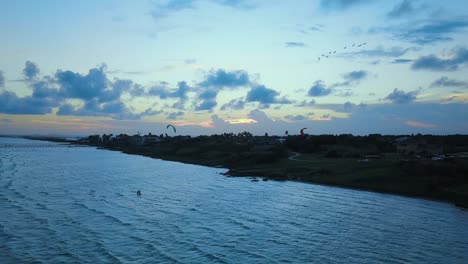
x,y
82,202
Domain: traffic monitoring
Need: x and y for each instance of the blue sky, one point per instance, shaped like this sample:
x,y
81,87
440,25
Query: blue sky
x,y
214,66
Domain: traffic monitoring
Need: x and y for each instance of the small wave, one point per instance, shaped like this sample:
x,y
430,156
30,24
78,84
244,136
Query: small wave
x,y
101,213
240,224
8,184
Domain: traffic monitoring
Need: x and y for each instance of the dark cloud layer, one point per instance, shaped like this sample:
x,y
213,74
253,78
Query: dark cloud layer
x,y
99,95
434,63
426,31
10,103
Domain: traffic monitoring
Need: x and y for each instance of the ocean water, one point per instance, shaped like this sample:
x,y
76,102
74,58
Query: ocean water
x,y
69,204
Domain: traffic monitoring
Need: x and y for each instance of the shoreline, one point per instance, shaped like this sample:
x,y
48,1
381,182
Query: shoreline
x,y
233,173
308,171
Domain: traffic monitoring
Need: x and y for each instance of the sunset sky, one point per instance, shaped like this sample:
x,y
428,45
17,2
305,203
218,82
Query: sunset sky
x,y
214,66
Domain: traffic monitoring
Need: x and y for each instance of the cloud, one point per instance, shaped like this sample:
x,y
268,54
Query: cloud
x,y
317,27
217,80
307,30
458,58
116,110
218,121
260,116
30,70
401,61
380,51
190,61
351,107
305,103
239,4
225,79
265,96
42,89
425,31
10,103
319,89
180,93
435,30
295,117
235,104
457,97
403,9
348,106
351,78
444,81
75,85
208,100
93,85
164,8
340,5
401,97
355,75
295,44
2,80
419,124
96,95
175,115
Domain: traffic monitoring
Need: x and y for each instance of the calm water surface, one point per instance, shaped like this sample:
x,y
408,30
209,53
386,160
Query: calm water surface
x,y
61,203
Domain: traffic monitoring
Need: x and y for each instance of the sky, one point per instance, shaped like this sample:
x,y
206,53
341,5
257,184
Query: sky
x,y
214,66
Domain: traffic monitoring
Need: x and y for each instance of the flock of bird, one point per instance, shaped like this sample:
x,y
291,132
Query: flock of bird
x,y
330,53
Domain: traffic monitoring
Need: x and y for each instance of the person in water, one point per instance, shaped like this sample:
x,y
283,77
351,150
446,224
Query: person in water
x,y
138,193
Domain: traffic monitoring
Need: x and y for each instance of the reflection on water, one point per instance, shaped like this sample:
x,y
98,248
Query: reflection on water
x,y
79,204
